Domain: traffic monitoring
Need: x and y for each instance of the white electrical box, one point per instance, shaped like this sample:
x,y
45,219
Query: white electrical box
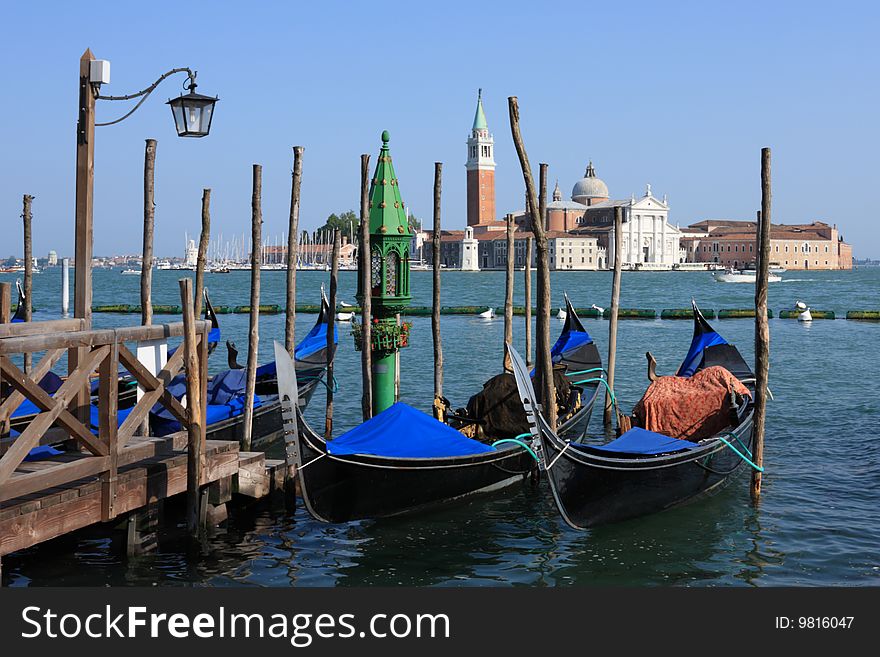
x,y
99,71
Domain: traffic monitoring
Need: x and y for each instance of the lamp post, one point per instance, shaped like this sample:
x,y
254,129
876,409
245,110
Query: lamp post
x,y
192,118
390,238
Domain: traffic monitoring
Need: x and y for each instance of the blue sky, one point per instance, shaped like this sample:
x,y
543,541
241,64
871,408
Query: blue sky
x,y
681,95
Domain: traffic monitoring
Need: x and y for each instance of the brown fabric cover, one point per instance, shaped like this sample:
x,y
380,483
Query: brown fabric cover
x,y
689,408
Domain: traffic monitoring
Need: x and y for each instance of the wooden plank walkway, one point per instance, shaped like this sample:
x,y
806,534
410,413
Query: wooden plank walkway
x,y
150,470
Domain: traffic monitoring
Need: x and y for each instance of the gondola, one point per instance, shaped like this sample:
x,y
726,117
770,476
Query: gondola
x,y
496,409
642,472
226,391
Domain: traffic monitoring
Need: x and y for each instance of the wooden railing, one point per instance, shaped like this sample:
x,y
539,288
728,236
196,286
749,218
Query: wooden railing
x,y
99,351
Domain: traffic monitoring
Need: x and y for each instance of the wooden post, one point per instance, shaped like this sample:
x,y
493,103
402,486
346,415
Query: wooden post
x,y
292,246
331,331
85,178
204,240
5,316
253,338
438,407
65,286
762,325
527,273
149,220
26,217
194,410
608,414
365,291
544,370
508,296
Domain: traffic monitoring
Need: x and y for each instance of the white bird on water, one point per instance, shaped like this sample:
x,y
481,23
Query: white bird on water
x,y
488,314
599,310
562,314
804,310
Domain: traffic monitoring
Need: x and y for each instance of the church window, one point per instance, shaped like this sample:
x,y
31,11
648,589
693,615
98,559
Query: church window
x,y
826,251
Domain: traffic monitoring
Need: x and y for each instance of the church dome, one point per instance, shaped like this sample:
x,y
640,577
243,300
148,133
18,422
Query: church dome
x,y
589,187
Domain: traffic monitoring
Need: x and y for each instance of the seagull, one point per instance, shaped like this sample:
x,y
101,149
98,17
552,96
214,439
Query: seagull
x,y
599,310
488,314
562,314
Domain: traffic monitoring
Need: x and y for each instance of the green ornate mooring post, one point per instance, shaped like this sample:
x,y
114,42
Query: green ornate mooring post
x,y
389,277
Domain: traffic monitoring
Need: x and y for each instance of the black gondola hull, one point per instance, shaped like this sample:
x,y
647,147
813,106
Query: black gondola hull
x,y
593,491
341,489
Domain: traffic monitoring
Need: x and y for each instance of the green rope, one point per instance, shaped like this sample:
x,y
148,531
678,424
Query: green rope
x,y
741,443
740,454
599,380
520,443
592,369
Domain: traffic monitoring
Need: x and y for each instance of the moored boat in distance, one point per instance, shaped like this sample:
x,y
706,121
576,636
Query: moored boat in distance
x,y
742,276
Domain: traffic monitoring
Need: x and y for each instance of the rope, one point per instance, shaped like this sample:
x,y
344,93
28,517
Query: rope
x,y
592,369
602,381
561,452
520,443
740,454
305,465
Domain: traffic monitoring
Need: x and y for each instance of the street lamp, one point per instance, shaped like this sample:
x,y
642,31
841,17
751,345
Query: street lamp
x,y
192,118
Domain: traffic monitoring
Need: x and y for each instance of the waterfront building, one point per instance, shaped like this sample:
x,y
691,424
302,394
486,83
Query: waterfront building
x,y
816,245
480,170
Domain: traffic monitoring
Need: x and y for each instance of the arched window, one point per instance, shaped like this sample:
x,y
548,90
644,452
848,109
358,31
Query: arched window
x,y
391,261
375,270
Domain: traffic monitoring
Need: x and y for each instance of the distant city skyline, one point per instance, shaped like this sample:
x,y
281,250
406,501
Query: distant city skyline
x,y
678,95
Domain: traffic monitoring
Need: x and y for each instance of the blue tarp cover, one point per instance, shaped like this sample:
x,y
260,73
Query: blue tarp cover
x,y
315,339
402,431
694,354
642,441
567,341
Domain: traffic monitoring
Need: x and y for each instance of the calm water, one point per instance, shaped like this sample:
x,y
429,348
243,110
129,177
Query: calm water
x,y
817,524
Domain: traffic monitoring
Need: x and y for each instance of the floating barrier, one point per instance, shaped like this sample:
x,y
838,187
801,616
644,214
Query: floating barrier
x,y
632,313
864,315
735,313
685,313
158,309
817,314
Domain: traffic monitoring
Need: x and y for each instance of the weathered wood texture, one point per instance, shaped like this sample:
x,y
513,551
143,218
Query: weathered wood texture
x,y
149,223
292,247
435,298
5,316
202,261
331,331
527,292
27,217
364,292
608,413
508,294
762,326
253,333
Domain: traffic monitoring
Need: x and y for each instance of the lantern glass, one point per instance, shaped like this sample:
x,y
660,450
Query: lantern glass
x,y
192,114
391,261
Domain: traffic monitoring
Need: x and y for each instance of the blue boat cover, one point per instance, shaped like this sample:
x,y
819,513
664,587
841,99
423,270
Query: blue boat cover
x,y
642,441
402,431
567,341
694,355
315,340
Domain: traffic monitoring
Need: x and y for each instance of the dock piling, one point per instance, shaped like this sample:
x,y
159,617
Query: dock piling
x,y
253,335
762,326
27,216
508,295
615,312
65,286
527,292
331,330
5,316
149,222
292,247
204,240
364,293
438,408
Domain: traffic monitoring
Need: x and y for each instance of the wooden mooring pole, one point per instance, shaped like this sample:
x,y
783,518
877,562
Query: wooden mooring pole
x,y
331,331
762,325
149,221
546,387
27,216
292,247
196,421
508,295
527,292
608,415
364,261
202,260
253,335
5,317
439,409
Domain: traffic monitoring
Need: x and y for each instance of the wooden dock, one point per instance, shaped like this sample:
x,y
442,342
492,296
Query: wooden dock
x,y
107,473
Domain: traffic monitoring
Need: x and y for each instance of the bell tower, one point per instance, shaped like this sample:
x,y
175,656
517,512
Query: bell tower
x,y
480,170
